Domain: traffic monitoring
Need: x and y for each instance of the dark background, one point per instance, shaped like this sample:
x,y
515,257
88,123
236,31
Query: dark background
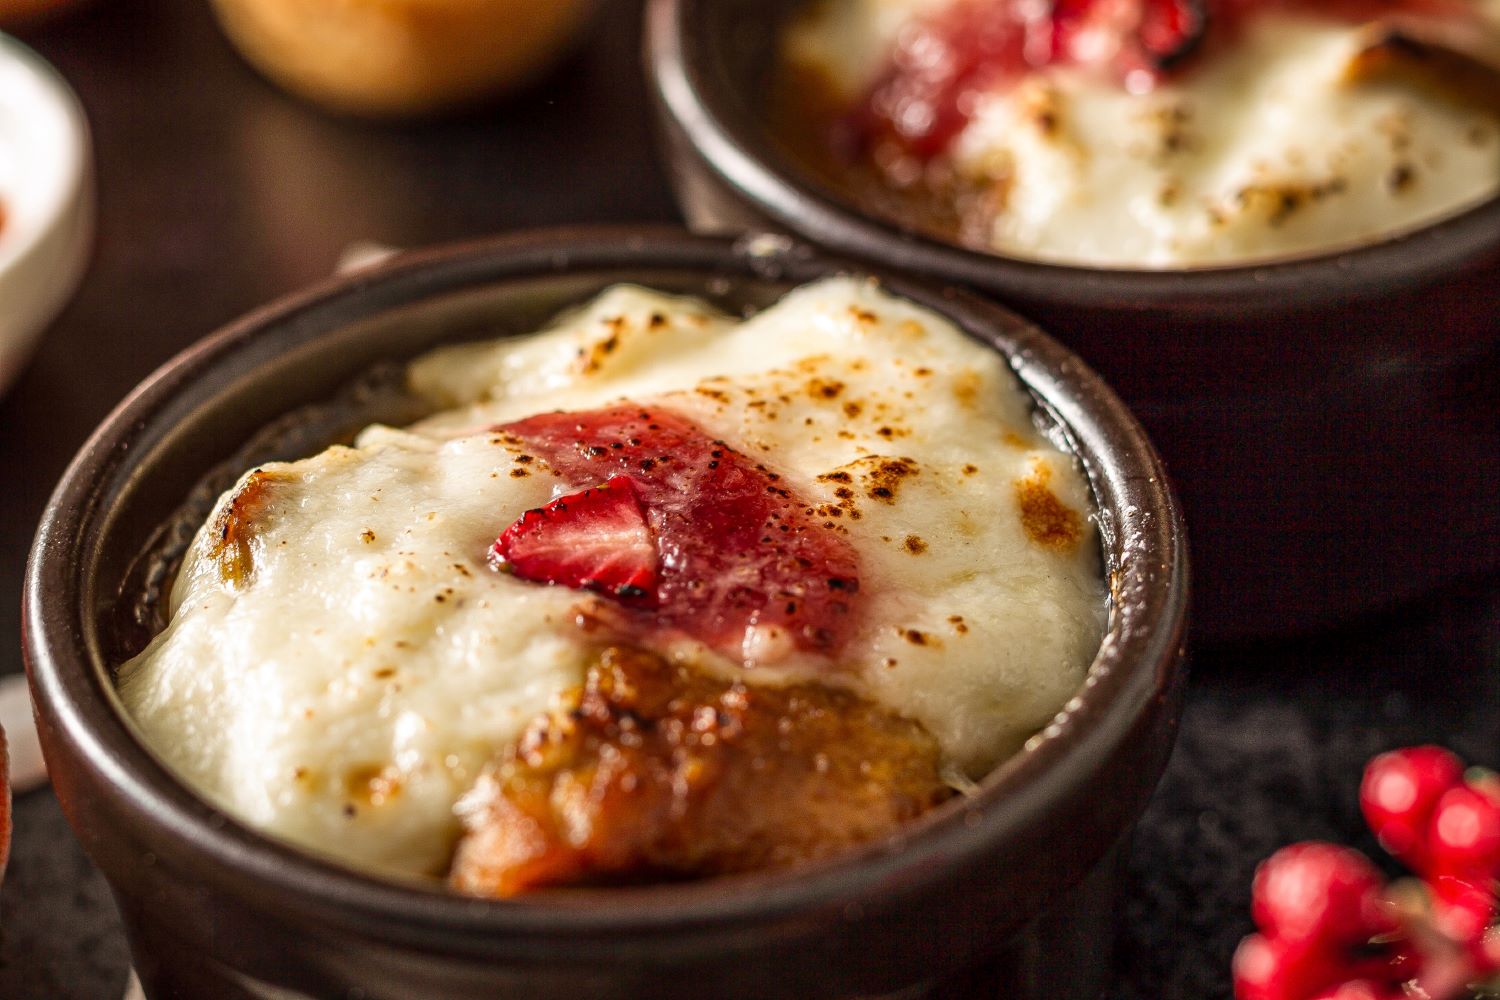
x,y
217,193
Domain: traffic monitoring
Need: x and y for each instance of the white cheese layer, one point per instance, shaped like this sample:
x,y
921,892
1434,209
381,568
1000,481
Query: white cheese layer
x,y
1263,150
344,693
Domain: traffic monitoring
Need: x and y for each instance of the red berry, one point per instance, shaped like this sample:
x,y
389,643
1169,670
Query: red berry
x,y
596,539
1319,892
1464,837
1398,794
1361,989
1268,968
1464,908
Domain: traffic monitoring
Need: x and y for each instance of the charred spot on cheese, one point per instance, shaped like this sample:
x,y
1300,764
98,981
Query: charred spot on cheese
x,y
1278,203
233,529
883,476
1455,61
592,357
372,785
1048,521
659,771
825,388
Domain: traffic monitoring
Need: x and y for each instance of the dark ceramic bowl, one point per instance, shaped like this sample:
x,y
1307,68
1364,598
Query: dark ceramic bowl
x,y
1018,881
1332,422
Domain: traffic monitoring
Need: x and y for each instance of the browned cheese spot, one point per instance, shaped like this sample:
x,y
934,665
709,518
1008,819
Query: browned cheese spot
x,y
919,638
1173,135
1446,62
824,388
966,386
914,545
234,527
1047,520
1277,203
592,358
1040,106
372,784
883,476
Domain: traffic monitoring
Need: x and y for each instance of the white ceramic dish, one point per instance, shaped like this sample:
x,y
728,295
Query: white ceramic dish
x,y
46,197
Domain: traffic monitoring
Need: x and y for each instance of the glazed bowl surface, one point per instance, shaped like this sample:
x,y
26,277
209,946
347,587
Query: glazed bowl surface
x,y
1013,885
1332,422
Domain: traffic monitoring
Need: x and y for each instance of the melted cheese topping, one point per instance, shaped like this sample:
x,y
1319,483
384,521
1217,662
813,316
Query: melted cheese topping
x,y
1265,149
341,660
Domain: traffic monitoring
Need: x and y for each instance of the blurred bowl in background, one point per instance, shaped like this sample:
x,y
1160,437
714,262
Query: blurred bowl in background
x,y
46,200
401,57
1331,421
16,12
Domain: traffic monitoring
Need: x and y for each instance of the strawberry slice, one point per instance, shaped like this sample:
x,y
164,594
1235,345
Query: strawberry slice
x,y
948,55
596,539
1170,30
745,565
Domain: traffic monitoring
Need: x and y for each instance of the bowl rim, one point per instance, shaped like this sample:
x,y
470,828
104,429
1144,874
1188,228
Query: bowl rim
x,y
1135,672
734,145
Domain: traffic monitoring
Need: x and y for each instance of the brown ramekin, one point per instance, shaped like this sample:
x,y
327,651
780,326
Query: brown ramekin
x,y
1013,887
1332,422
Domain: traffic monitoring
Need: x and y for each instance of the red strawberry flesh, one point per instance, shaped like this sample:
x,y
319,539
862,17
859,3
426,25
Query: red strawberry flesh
x,y
1170,30
735,549
596,539
944,59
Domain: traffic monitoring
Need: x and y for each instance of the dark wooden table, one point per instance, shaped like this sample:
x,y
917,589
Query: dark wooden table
x,y
218,193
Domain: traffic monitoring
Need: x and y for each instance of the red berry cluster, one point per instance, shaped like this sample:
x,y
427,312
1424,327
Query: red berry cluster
x,y
1330,929
1444,829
